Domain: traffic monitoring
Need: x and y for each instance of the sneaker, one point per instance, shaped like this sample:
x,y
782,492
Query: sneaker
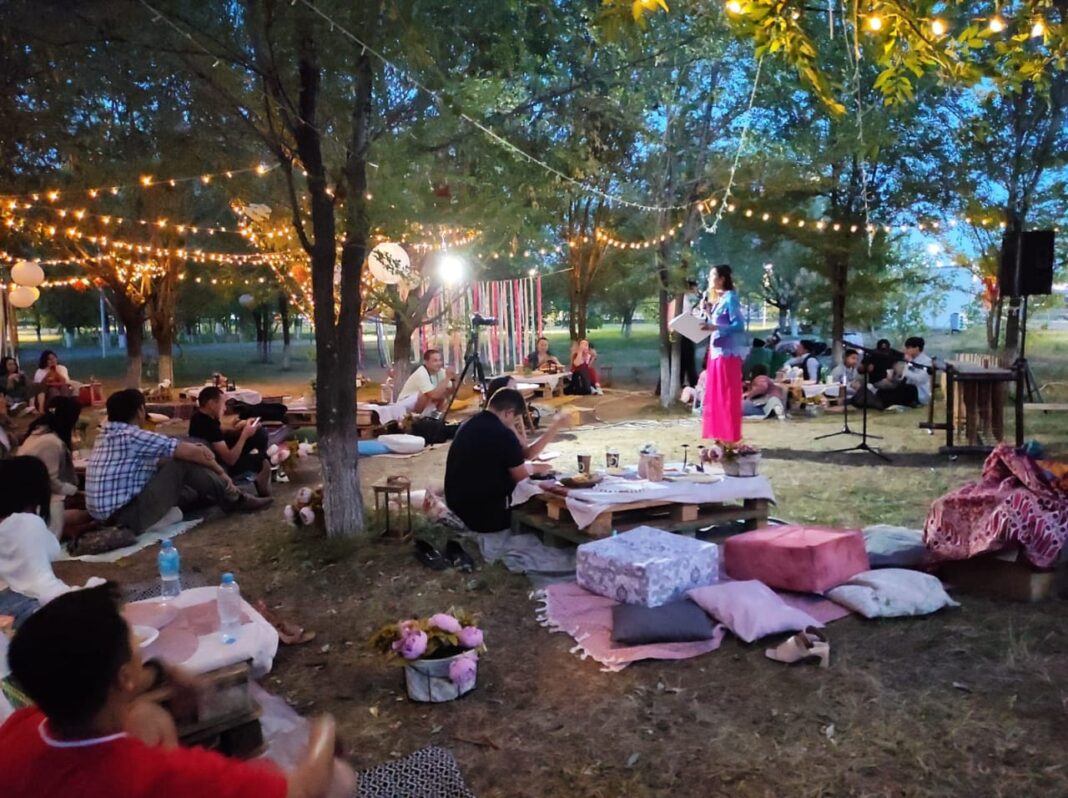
x,y
251,504
596,391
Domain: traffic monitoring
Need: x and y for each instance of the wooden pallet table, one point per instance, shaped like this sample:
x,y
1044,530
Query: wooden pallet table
x,y
547,515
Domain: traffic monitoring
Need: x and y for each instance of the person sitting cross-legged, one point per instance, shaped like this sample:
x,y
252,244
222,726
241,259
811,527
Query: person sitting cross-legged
x,y
240,450
429,387
806,361
97,731
486,460
846,374
139,479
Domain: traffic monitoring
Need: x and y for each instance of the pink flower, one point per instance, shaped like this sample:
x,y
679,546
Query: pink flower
x,y
304,495
470,637
445,623
307,515
463,671
412,644
290,514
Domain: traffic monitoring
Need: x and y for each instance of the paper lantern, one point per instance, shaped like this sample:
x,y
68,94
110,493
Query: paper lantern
x,y
23,296
27,273
246,300
389,263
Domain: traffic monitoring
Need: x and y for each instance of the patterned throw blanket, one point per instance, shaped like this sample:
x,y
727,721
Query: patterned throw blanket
x,y
1013,502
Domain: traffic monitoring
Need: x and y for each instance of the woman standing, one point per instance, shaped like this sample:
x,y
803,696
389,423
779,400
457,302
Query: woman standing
x,y
722,410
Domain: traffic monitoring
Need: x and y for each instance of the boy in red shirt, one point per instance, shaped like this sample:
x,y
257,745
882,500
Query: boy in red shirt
x,y
86,736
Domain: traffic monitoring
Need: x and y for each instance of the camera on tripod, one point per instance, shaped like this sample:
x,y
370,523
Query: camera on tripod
x,y
478,320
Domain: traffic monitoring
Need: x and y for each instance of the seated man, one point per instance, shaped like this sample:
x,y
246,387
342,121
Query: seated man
x,y
429,387
916,369
95,732
806,360
137,478
845,373
485,462
759,355
240,450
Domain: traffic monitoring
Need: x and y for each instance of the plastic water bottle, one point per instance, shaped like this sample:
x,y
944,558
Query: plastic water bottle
x,y
229,602
170,568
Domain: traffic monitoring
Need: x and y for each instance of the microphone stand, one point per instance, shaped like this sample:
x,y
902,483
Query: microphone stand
x,y
863,445
845,420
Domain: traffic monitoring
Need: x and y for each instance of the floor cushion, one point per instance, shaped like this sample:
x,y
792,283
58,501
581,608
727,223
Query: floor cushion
x,y
892,593
750,609
677,622
804,559
403,444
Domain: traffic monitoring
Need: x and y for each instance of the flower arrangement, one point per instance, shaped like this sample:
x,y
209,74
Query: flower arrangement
x,y
721,451
307,509
442,635
284,457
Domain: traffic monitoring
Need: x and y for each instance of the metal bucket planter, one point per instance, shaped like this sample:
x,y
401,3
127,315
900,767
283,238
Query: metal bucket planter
x,y
746,466
428,680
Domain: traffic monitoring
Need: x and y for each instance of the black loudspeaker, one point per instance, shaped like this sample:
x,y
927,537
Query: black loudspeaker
x,y
1035,262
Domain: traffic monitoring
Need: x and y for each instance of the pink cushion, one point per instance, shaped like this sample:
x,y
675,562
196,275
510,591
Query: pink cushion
x,y
806,559
750,609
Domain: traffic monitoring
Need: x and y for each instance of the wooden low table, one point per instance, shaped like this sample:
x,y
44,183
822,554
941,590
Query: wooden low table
x,y
551,519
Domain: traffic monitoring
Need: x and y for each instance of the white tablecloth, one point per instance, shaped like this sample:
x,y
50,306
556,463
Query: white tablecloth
x,y
245,395
586,505
257,642
542,380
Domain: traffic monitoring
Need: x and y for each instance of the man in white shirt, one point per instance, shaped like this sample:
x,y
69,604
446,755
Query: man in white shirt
x,y
916,368
428,388
845,373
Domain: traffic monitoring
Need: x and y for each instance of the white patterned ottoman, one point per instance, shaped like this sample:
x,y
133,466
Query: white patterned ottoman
x,y
646,566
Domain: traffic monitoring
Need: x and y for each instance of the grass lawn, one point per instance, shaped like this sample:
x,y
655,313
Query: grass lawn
x,y
970,702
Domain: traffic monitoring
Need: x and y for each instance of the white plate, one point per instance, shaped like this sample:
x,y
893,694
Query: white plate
x,y
158,418
146,635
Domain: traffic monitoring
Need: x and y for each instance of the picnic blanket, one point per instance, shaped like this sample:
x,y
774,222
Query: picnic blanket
x,y
143,542
587,617
1011,502
586,505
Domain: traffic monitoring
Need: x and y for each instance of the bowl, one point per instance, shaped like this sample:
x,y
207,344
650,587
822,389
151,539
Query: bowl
x,y
582,481
146,635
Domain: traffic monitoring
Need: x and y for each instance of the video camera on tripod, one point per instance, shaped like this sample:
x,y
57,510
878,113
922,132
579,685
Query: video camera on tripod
x,y
478,320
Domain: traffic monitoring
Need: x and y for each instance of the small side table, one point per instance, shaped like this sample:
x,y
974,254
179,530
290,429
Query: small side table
x,y
401,487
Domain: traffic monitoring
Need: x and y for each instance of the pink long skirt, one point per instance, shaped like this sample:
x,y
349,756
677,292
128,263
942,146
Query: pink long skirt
x,y
721,414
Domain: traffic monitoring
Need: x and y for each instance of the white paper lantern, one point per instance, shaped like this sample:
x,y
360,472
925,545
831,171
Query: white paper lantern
x,y
23,296
389,263
246,300
27,273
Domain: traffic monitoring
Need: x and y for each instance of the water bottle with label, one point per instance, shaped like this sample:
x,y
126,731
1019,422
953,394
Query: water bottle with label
x,y
228,598
170,567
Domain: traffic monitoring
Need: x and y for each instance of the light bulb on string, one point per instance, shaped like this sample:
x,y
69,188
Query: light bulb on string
x,y
938,28
1038,28
734,7
875,23
997,24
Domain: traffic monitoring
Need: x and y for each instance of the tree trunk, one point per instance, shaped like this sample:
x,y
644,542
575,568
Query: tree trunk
x,y
839,274
135,343
402,352
783,310
664,333
628,322
993,325
283,312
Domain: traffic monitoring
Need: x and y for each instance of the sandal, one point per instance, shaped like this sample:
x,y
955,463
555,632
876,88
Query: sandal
x,y
458,558
429,556
289,633
802,647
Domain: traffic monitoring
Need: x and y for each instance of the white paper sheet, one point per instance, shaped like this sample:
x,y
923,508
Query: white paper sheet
x,y
690,326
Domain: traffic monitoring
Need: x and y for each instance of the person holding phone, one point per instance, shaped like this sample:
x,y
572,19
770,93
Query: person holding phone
x,y
240,450
722,410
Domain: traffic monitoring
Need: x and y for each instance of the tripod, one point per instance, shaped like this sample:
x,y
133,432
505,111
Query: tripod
x,y
471,360
863,445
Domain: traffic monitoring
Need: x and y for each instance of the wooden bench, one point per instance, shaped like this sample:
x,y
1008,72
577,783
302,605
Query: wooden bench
x,y
550,519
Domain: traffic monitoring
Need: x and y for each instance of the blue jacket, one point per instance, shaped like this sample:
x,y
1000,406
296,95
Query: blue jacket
x,y
728,337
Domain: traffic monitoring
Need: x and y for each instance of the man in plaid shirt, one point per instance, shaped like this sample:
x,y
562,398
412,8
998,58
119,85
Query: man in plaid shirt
x,y
137,478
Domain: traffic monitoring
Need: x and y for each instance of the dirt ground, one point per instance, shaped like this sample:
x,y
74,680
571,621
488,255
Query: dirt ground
x,y
970,702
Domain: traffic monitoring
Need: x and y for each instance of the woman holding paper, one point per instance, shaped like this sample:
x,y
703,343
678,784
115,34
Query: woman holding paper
x,y
722,411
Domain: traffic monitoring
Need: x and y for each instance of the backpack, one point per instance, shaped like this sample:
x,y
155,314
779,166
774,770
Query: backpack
x,y
579,385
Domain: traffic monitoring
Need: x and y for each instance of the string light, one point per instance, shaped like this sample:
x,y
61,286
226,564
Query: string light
x,y
938,27
734,7
875,23
997,24
1038,28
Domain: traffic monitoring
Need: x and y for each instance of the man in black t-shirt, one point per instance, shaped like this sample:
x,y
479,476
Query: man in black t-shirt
x,y
484,464
241,450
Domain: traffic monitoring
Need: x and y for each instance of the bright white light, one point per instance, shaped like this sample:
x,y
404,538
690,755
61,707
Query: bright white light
x,y
769,267
533,272
734,7
997,24
934,248
938,27
451,269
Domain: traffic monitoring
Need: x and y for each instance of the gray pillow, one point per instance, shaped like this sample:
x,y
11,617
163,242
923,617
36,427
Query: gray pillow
x,y
678,622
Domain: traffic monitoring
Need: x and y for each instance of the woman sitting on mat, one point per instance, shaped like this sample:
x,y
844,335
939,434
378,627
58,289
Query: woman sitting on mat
x,y
582,360
51,379
541,359
50,441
